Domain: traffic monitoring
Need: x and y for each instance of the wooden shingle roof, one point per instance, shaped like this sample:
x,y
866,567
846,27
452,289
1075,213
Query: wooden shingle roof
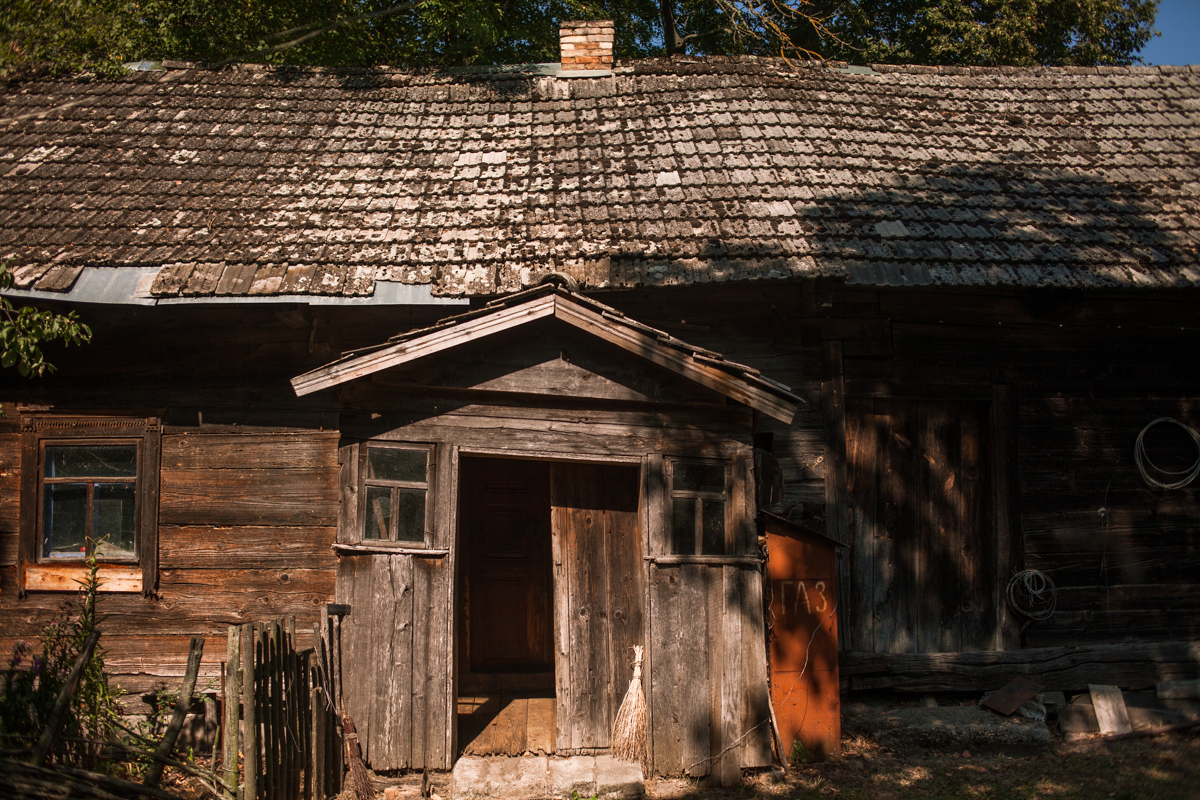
x,y
259,182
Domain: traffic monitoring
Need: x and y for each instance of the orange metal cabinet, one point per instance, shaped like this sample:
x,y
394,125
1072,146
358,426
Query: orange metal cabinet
x,y
802,623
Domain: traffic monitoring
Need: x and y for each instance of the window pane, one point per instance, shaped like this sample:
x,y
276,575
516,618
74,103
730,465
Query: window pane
x,y
683,526
410,515
113,514
390,464
379,513
64,519
697,477
713,512
91,461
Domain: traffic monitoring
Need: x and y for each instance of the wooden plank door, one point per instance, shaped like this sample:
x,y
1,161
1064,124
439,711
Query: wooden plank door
x,y
505,529
394,665
920,532
598,596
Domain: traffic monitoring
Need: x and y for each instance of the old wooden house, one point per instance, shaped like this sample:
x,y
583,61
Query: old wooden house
x,y
500,359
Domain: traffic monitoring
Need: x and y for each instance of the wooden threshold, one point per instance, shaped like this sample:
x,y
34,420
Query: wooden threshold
x,y
507,726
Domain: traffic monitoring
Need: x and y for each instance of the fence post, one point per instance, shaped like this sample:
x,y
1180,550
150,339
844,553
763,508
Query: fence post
x,y
336,733
250,751
232,698
304,696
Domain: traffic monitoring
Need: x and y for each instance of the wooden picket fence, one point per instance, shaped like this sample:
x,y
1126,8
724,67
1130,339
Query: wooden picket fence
x,y
282,712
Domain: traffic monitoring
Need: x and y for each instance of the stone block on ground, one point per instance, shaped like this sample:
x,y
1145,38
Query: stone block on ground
x,y
618,779
510,778
574,774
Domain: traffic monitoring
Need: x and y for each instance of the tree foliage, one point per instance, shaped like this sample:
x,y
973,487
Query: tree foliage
x,y
982,32
101,34
24,330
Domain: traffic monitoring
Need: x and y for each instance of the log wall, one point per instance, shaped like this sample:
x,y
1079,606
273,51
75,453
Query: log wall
x,y
245,528
248,500
1066,378
249,495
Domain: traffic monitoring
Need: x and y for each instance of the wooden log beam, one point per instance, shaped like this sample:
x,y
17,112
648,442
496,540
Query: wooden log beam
x,y
1128,665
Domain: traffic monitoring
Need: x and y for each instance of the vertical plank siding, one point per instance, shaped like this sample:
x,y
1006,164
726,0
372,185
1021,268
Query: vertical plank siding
x,y
432,695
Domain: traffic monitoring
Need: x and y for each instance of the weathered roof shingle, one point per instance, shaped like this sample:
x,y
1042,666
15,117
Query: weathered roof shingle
x,y
255,181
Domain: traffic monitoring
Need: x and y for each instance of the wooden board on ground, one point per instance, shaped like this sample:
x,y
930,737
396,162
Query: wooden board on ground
x,y
1012,695
1110,709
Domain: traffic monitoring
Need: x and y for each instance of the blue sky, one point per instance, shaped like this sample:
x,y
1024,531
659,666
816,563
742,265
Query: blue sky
x,y
1179,23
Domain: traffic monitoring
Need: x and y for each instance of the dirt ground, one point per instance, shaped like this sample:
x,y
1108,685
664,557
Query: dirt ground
x,y
1162,768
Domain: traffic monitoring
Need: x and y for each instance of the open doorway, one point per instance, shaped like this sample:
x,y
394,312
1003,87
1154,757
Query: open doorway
x,y
506,699
551,552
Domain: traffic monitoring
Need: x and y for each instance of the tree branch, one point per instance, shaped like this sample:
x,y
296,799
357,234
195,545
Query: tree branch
x,y
386,12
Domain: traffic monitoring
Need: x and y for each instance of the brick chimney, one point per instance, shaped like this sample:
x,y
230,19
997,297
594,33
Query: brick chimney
x,y
586,44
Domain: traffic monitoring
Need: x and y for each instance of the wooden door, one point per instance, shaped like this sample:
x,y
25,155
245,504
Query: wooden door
x,y
505,529
598,596
920,533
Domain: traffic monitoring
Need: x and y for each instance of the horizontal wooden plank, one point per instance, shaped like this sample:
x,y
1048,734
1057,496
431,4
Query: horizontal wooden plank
x,y
1105,626
1166,565
1131,665
499,438
190,602
283,497
391,551
71,577
668,561
246,547
1169,598
568,436
309,450
423,403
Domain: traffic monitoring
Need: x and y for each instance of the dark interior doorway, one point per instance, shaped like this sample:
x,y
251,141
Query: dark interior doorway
x,y
506,702
505,532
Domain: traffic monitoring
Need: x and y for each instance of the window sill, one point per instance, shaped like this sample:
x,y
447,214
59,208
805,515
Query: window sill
x,y
69,577
387,549
671,561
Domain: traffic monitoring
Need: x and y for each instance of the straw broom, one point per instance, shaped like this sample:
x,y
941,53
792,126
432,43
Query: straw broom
x,y
629,728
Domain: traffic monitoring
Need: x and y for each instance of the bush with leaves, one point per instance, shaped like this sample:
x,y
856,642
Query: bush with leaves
x,y
24,330
33,681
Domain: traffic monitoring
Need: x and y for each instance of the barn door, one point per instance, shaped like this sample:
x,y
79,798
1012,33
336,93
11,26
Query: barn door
x,y
921,536
597,596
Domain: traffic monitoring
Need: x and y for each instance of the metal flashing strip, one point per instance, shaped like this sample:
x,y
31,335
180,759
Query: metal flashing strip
x,y
851,69
124,286
553,70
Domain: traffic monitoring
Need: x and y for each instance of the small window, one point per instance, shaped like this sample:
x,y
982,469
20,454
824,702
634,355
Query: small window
x,y
699,498
395,493
89,489
89,501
